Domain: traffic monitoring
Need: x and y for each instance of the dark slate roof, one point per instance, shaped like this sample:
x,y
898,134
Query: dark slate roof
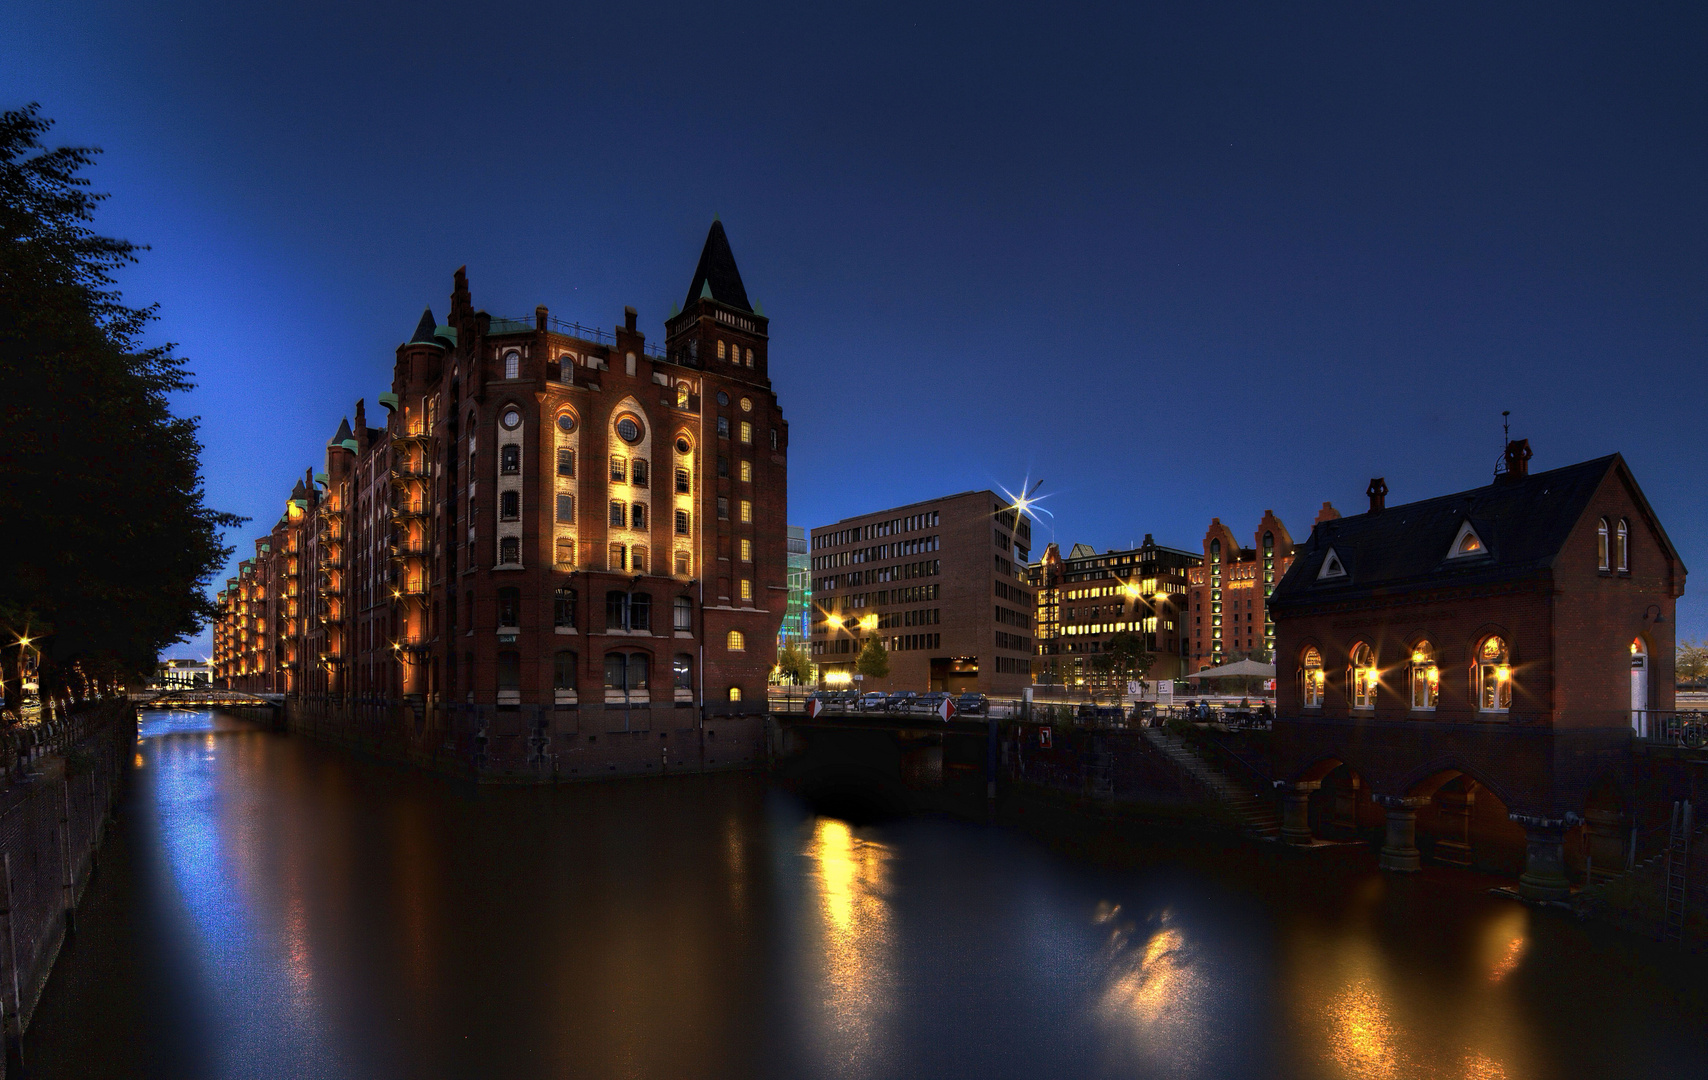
x,y
424,329
1522,524
343,432
298,492
716,276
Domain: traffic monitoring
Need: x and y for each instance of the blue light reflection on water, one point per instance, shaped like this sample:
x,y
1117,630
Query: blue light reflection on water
x,y
253,962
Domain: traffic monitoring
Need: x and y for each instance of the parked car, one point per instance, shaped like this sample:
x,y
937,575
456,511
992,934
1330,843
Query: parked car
x,y
901,701
930,703
876,701
973,704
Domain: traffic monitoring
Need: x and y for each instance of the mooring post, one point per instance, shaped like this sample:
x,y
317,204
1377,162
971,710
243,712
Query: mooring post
x,y
68,877
14,1015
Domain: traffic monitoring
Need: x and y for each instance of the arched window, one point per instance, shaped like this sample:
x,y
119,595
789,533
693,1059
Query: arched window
x,y
1362,676
1601,545
750,358
682,394
512,364
1622,548
1425,677
735,693
626,671
1311,679
563,608
1493,676
721,347
736,642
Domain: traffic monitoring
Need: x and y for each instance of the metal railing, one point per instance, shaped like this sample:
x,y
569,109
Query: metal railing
x,y
562,326
1688,728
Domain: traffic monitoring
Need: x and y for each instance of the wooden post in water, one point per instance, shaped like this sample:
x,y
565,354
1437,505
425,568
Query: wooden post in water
x,y
15,1015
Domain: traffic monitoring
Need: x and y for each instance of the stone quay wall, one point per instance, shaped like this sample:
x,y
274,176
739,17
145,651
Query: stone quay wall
x,y
59,780
1117,769
531,744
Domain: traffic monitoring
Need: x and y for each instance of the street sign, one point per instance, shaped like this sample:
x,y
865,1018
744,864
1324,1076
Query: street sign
x,y
1134,688
1165,690
1044,737
947,709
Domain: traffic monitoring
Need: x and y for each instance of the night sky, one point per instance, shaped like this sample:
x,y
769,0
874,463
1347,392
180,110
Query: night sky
x,y
1175,263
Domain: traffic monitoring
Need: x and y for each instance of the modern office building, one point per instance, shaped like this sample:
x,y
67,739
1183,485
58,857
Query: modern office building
x,y
558,538
795,622
1228,593
1087,598
941,583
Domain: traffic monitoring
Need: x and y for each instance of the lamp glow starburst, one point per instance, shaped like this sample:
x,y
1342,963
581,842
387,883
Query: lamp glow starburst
x,y
1026,502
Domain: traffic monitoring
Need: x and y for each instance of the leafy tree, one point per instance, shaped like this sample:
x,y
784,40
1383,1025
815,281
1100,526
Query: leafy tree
x,y
106,537
1691,659
793,663
874,660
1123,659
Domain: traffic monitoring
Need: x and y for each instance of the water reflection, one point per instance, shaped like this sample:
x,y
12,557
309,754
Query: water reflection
x,y
299,912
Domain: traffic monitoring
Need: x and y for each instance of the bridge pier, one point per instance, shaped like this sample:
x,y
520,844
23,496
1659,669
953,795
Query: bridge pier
x,y
1544,876
1455,848
1399,847
1296,813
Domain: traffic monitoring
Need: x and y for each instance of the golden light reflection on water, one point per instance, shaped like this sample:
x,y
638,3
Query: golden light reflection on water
x,y
1361,1036
852,879
1155,994
1504,943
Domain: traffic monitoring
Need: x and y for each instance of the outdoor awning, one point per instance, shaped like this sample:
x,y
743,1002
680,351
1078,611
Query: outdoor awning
x,y
1249,668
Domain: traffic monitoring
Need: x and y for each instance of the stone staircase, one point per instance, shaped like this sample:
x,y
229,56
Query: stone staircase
x,y
1257,815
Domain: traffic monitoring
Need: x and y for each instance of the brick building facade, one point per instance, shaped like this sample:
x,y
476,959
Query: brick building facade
x,y
1086,599
1228,594
555,532
1499,645
940,582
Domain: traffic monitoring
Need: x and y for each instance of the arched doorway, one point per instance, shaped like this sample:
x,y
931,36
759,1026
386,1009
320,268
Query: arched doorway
x,y
1639,686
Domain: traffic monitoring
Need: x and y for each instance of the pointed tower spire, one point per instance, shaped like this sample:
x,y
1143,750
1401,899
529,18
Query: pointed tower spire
x,y
716,277
343,432
424,329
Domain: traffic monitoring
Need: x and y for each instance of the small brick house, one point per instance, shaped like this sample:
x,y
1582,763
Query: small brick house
x,y
1509,639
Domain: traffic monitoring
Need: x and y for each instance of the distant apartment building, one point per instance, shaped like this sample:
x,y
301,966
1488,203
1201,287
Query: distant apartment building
x,y
1228,593
795,622
941,583
1086,599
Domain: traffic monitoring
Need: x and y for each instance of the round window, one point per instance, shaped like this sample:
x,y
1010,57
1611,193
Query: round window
x,y
629,428
723,398
682,446
566,423
746,405
510,419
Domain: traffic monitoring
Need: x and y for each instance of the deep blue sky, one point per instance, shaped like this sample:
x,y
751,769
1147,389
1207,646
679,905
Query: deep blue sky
x,y
1177,263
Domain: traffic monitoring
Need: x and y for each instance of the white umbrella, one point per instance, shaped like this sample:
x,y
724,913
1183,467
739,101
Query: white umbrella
x,y
1250,668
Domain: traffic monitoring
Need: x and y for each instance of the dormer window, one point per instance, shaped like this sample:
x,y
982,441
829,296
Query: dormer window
x,y
1332,567
1466,543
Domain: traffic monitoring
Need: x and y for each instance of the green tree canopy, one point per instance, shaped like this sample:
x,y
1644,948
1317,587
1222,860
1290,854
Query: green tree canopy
x,y
1124,658
793,663
106,538
874,660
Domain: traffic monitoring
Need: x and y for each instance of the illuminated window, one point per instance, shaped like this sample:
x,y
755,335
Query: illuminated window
x,y
747,588
746,432
1425,677
720,350
619,517
682,395
750,358
566,462
616,557
684,483
735,693
1363,677
1601,545
1466,543
1622,546
682,522
619,469
1493,674
746,510
747,472
746,551
736,642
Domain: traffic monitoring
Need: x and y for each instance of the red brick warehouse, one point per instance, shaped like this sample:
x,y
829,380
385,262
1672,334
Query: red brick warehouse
x,y
558,533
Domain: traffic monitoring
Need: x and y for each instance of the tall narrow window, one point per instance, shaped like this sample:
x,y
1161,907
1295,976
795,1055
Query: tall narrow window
x,y
1425,677
1363,677
563,670
619,514
746,550
510,459
640,611
682,614
721,347
747,472
682,671
746,510
563,609
619,469
683,484
509,607
637,557
565,553
509,673
723,427
746,432
512,364
566,462
682,522
639,472
637,516
723,508
1601,552
566,509
1622,546
509,506
682,564
615,557
750,358
509,550
1493,676
747,588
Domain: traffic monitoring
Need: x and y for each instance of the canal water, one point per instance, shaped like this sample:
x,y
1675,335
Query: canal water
x,y
270,907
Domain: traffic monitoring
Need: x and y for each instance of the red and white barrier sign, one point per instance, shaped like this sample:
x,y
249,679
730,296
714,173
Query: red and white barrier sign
x,y
1044,737
947,709
814,707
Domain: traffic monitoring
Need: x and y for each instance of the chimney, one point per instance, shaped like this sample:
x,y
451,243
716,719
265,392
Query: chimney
x,y
540,317
1327,513
1378,492
1517,460
629,318
361,423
